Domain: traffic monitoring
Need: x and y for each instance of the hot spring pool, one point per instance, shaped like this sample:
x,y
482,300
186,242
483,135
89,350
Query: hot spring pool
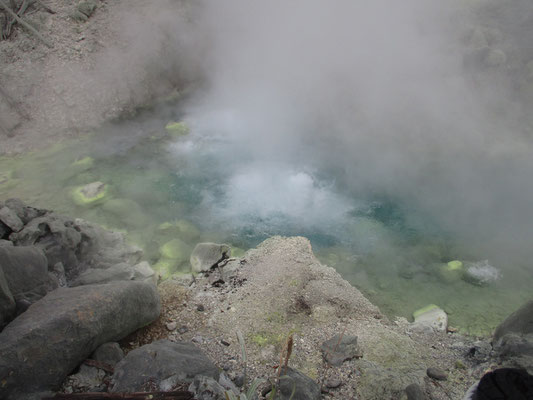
x,y
202,187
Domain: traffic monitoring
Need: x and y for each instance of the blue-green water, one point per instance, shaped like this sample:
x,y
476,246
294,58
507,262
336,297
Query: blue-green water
x,y
205,183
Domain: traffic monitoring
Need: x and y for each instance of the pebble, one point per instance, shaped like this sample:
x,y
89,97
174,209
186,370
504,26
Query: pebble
x,y
226,366
414,392
224,342
197,339
239,380
200,307
437,374
183,329
333,383
171,326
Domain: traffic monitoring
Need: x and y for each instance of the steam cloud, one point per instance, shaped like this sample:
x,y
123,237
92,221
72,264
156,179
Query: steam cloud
x,y
380,93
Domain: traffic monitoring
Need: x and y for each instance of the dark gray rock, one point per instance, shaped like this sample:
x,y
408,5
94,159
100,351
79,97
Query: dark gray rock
x,y
415,392
77,15
76,244
339,349
43,345
206,255
520,322
206,388
227,383
239,380
88,379
516,351
108,353
118,272
87,8
291,380
143,272
162,364
5,243
21,306
58,274
7,302
480,351
437,373
4,231
11,219
58,237
26,272
24,212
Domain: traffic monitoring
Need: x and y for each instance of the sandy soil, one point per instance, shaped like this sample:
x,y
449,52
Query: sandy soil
x,y
97,70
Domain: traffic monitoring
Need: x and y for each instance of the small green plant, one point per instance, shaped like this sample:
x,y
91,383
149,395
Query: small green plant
x,y
283,363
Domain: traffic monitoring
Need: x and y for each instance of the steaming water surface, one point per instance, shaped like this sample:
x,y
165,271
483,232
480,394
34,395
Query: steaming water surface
x,y
391,252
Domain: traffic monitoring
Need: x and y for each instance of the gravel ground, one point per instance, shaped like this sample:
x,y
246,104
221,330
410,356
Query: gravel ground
x,y
281,288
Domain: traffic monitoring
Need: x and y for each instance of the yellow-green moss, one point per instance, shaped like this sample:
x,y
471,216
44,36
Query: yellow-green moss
x,y
455,265
177,128
82,200
423,310
294,283
165,267
237,252
83,163
260,340
276,317
175,249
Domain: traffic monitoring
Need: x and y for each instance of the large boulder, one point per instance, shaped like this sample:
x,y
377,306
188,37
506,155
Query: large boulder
x,y
44,344
513,339
11,219
432,317
118,272
207,255
24,212
7,302
520,322
26,272
163,364
76,244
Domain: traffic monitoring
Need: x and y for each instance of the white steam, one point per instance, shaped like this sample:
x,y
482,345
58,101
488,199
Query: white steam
x,y
377,92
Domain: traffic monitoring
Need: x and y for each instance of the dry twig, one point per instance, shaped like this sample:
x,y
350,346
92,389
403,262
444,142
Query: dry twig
x,y
30,28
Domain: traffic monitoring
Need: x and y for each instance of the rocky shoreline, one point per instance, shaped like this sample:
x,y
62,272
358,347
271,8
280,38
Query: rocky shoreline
x,y
70,290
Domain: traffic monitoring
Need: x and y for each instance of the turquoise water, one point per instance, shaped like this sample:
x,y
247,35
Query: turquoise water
x,y
202,187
